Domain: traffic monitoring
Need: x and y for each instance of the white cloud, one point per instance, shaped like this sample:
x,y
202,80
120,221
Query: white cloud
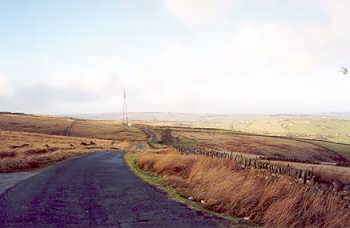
x,y
277,47
339,17
272,67
248,66
95,75
72,84
5,87
199,12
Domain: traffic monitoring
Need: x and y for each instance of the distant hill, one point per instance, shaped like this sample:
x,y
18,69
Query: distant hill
x,y
325,126
148,116
164,116
177,116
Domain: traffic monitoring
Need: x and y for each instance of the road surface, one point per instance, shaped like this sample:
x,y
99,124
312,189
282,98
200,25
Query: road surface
x,y
93,191
8,180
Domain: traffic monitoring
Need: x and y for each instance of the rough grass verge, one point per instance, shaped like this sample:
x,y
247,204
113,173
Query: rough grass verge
x,y
157,181
266,199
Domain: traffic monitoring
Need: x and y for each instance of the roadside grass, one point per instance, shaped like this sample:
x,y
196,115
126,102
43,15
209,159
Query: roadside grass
x,y
264,198
21,151
157,181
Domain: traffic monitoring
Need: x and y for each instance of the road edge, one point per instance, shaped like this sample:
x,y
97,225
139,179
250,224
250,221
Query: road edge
x,y
156,181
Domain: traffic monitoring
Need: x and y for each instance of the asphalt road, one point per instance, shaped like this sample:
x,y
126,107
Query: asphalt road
x,y
94,191
7,180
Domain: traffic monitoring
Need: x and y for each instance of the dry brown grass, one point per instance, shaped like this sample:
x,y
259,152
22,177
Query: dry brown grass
x,y
266,199
273,147
295,153
24,151
113,130
37,124
107,130
29,141
7,154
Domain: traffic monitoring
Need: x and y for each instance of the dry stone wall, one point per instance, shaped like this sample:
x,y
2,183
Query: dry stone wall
x,y
303,175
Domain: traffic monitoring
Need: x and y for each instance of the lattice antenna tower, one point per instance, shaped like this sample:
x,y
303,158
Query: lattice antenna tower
x,y
125,110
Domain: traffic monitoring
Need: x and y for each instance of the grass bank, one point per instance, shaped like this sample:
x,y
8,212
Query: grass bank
x,y
157,181
264,198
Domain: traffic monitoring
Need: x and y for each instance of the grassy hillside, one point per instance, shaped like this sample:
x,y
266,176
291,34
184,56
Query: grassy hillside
x,y
330,129
340,148
276,148
29,141
335,128
113,130
24,151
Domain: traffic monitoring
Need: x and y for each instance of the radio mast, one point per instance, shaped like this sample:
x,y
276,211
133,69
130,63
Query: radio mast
x,y
125,111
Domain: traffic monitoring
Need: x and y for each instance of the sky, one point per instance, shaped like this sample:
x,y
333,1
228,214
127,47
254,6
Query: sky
x,y
193,56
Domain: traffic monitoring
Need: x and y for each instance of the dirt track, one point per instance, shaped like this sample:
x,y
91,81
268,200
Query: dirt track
x,y
95,190
152,137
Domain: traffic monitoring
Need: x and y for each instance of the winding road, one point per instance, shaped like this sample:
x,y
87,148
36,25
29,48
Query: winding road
x,y
152,137
93,191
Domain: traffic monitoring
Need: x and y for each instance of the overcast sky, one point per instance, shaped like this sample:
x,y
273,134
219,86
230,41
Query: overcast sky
x,y
204,56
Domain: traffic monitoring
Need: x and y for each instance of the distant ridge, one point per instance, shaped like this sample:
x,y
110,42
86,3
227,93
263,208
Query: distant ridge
x,y
16,113
178,116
